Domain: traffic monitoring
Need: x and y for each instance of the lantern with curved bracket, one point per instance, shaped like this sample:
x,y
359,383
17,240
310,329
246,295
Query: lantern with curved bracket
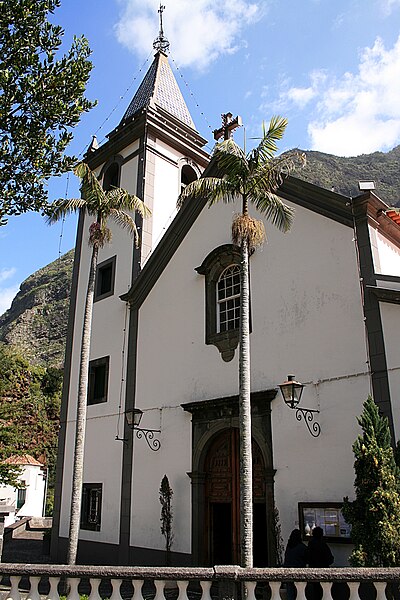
x,y
292,391
133,418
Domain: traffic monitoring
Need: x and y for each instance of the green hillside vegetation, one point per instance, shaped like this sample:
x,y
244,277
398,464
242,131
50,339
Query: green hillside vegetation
x,y
30,399
343,173
37,321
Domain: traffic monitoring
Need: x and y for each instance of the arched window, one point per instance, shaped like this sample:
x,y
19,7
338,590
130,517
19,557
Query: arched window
x,y
188,174
228,299
111,177
221,269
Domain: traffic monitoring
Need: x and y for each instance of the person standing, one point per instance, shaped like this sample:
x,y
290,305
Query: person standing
x,y
319,556
296,555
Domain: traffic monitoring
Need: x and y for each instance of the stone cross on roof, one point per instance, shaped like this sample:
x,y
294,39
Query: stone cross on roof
x,y
228,126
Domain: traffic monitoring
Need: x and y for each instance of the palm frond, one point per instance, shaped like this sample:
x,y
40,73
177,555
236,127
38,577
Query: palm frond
x,y
119,198
274,209
231,159
267,146
63,207
121,218
91,189
212,188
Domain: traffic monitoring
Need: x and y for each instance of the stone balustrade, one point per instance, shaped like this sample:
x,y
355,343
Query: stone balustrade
x,y
36,582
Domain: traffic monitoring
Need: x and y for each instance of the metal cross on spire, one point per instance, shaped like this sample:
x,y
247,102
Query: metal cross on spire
x,y
228,126
161,44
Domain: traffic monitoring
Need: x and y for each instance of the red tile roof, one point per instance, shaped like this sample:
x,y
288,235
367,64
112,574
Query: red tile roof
x,y
23,459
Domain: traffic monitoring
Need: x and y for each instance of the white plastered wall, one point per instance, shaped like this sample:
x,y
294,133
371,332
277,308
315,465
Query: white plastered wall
x,y
386,255
34,479
390,315
307,319
103,454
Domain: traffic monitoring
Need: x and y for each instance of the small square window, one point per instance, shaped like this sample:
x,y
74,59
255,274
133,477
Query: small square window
x,y
105,277
98,380
91,506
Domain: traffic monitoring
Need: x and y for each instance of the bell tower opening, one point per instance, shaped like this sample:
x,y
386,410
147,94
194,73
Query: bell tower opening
x,y
188,174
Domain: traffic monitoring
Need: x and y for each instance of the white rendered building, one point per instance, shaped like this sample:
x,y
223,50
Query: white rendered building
x,y
29,499
324,305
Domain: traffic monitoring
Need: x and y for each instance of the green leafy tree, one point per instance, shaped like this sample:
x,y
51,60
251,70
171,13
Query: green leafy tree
x,y
166,518
375,513
30,399
9,475
41,100
254,178
117,205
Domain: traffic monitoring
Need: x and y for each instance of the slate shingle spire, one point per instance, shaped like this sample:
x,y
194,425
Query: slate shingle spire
x,y
159,86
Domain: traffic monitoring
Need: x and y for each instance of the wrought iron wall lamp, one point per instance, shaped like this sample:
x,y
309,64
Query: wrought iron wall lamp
x,y
133,418
292,391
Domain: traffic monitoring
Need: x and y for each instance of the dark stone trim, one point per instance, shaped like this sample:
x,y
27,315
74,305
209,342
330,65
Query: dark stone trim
x,y
103,361
385,294
392,278
85,524
167,128
109,261
94,556
213,265
323,202
364,210
130,390
209,418
65,392
161,155
127,451
133,154
217,573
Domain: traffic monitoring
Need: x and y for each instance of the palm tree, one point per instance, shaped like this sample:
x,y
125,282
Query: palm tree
x,y
254,178
102,205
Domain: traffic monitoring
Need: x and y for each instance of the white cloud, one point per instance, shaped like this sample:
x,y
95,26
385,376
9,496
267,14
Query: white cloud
x,y
359,112
301,96
389,5
6,297
7,293
198,31
6,274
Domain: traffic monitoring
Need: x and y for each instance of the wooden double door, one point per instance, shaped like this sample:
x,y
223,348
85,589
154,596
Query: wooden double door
x,y
222,531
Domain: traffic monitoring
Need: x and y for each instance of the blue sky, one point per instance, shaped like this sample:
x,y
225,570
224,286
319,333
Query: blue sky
x,y
331,67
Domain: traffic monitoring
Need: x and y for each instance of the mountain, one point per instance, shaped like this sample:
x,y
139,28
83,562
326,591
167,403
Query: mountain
x,y
37,321
343,174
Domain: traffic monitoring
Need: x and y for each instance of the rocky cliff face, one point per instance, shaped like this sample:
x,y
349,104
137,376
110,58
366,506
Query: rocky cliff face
x,y
37,321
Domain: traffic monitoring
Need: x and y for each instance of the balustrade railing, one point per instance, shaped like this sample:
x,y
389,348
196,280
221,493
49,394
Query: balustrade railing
x,y
38,582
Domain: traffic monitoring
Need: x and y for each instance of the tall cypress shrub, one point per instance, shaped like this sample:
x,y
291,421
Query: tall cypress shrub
x,y
375,513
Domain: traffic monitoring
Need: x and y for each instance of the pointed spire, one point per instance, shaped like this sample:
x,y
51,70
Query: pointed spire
x,y
94,144
161,44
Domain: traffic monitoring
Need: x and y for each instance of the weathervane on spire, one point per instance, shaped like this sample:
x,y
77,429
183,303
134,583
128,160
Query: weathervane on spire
x,y
161,44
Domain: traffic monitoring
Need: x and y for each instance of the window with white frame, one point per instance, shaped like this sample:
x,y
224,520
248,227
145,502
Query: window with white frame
x,y
228,299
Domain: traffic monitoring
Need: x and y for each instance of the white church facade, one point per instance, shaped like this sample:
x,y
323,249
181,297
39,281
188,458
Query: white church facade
x,y
324,306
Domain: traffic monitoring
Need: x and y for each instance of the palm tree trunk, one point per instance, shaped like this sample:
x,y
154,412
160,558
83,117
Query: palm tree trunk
x,y
77,475
245,462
